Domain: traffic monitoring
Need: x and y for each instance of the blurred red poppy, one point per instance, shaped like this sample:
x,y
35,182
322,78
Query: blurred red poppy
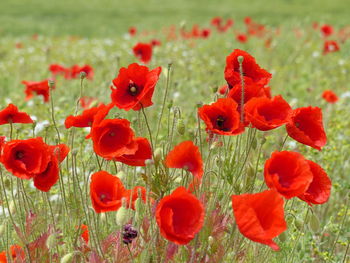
x,y
330,96
38,87
306,127
132,31
76,70
330,46
11,115
155,43
112,138
106,192
85,233
326,30
143,153
266,114
205,33
243,38
222,117
260,217
57,69
320,187
143,51
179,216
186,155
86,119
134,87
252,72
288,172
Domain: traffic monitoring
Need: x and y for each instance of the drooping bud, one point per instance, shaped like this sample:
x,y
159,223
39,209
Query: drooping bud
x,y
180,127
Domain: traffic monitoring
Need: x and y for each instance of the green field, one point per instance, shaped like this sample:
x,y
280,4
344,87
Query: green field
x,y
95,33
109,18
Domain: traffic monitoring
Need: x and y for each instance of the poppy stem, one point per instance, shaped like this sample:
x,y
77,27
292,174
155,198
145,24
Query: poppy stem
x,y
11,130
148,128
240,61
51,85
131,256
164,99
284,142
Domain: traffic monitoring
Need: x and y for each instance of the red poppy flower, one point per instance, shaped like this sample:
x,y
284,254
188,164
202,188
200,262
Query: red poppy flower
x,y
216,21
186,155
260,217
252,72
330,46
288,172
330,96
205,33
266,114
248,20
3,257
85,233
155,42
133,194
132,31
106,192
223,89
326,30
45,180
250,91
25,158
76,70
38,87
306,127
17,253
57,69
11,115
222,117
113,138
242,38
320,187
143,153
86,118
143,51
180,216
134,87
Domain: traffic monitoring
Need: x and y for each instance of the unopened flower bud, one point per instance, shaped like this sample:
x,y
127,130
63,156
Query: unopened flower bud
x,y
51,83
67,258
240,59
180,127
82,75
158,155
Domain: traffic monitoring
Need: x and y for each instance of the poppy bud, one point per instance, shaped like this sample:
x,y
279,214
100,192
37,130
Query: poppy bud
x,y
12,207
122,216
2,229
67,258
158,155
82,75
240,59
314,223
102,217
51,83
149,162
170,104
210,240
299,224
254,143
283,236
180,127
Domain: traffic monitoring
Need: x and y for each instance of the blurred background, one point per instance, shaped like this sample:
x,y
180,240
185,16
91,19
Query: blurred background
x,y
105,18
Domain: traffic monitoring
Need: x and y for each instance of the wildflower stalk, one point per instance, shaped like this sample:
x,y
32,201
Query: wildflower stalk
x,y
164,99
148,128
131,256
11,130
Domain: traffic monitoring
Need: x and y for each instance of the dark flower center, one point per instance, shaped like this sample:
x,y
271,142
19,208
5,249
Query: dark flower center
x,y
19,155
220,121
133,89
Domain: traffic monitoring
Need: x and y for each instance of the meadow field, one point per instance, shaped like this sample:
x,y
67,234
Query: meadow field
x,y
174,131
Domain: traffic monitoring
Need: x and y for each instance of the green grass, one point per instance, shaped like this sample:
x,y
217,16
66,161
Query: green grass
x,y
108,18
